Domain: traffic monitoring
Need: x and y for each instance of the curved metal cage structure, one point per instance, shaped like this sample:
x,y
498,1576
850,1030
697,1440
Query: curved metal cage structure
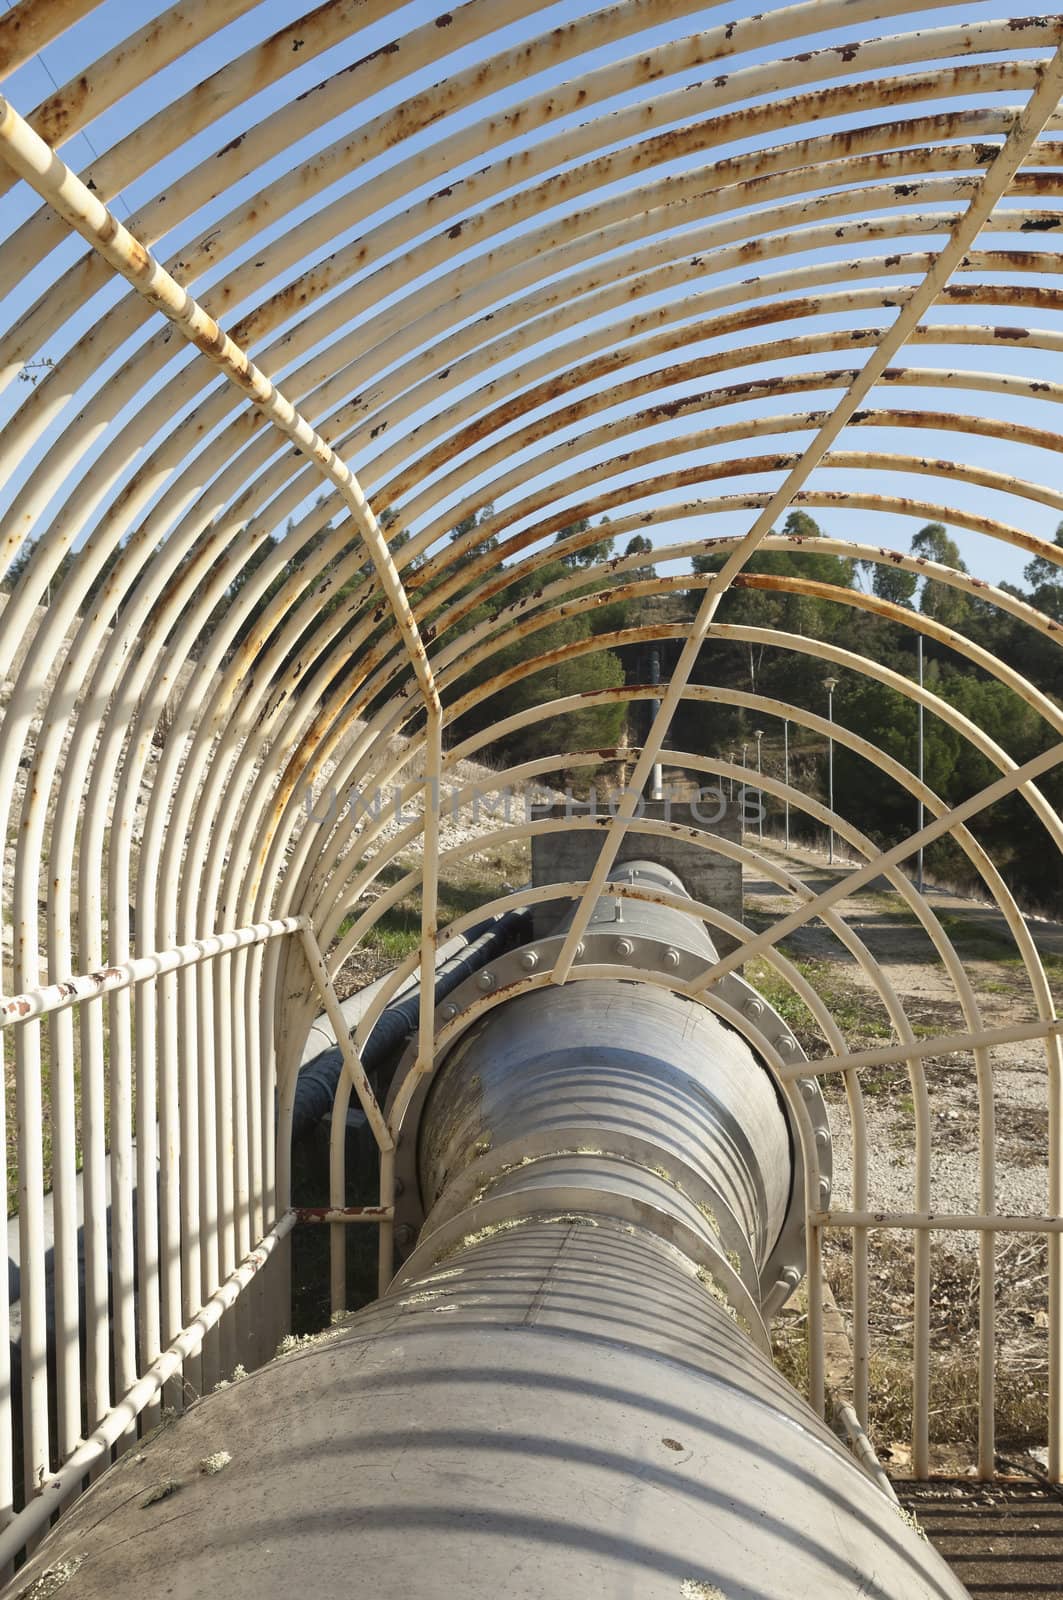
x,y
348,327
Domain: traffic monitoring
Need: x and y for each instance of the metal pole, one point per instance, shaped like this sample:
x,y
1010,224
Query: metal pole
x,y
830,776
831,685
786,777
760,793
920,767
657,779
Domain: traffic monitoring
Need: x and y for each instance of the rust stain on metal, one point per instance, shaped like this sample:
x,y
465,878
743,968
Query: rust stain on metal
x,y
310,1214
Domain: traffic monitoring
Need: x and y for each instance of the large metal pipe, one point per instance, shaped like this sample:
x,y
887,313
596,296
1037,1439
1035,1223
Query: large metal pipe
x,y
614,1089
566,1390
321,1069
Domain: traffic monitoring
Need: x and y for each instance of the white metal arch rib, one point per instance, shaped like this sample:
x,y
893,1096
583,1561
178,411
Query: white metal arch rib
x,y
221,823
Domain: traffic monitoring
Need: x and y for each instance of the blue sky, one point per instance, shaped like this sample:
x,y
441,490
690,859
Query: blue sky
x,y
114,20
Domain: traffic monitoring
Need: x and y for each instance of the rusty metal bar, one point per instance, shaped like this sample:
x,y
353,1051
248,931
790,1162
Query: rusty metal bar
x,y
40,167
1041,105
110,980
29,26
940,1221
344,1214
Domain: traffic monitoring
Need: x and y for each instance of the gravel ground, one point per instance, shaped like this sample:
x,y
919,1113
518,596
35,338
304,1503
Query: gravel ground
x,y
911,966
905,957
1004,1540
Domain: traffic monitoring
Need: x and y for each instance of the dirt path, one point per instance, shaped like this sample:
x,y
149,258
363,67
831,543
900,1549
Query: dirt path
x,y
908,960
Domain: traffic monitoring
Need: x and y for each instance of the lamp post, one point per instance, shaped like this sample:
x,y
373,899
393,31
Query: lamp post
x,y
742,818
758,736
922,755
830,684
657,776
786,777
731,759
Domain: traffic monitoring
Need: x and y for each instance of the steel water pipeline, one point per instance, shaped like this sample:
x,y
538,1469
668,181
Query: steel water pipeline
x,y
567,1389
321,1070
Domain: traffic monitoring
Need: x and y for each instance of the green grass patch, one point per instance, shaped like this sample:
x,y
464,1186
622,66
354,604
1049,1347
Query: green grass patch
x,y
468,885
858,1014
975,941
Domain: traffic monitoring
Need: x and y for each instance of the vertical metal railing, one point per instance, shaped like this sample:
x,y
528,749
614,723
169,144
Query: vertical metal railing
x,y
135,1302
69,1428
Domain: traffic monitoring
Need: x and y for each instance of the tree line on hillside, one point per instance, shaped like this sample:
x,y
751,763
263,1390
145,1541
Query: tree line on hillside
x,y
592,727
880,714
875,711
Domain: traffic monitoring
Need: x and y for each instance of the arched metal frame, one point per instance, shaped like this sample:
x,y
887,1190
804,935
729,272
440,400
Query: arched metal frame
x,y
566,331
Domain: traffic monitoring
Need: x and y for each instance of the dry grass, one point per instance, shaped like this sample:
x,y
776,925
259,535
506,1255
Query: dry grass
x,y
1021,1340
480,877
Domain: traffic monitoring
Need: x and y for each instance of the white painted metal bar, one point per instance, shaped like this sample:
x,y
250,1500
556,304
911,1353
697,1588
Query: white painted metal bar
x,y
169,1163
433,805
121,1161
36,1460
255,1093
197,1026
1042,103
386,1245
863,1449
38,165
183,1067
150,1187
67,1311
7,1462
932,1045
940,1221
52,1494
29,27
230,1130
351,1060
94,1188
60,996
